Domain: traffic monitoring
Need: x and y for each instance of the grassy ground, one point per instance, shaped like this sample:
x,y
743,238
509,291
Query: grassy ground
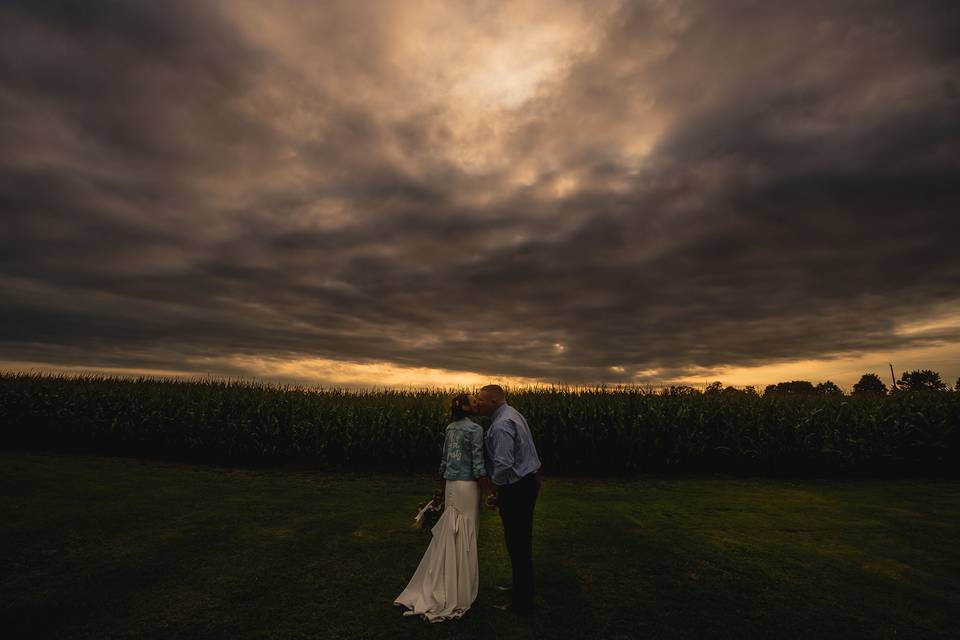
x,y
104,547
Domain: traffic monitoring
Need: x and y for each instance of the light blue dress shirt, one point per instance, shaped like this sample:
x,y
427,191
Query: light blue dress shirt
x,y
511,453
463,451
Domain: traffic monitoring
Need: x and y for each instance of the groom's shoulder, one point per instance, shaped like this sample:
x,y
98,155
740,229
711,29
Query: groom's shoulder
x,y
509,415
513,414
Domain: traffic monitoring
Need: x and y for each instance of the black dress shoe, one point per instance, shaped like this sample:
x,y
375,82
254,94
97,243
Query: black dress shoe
x,y
520,610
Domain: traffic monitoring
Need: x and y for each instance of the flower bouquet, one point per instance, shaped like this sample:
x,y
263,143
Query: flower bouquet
x,y
429,512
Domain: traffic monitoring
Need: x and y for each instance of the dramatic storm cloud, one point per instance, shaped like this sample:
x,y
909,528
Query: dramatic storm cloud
x,y
374,193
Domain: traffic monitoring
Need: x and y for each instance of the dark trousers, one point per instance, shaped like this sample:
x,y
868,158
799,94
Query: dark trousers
x,y
516,502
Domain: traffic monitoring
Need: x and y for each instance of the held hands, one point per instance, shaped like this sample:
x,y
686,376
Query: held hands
x,y
490,492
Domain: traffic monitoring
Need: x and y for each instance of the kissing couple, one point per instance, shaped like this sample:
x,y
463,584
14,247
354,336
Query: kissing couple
x,y
503,464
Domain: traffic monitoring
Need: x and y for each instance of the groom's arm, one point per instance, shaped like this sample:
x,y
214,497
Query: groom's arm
x,y
486,483
502,455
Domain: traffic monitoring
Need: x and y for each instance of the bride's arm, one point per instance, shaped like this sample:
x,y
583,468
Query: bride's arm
x,y
441,475
479,468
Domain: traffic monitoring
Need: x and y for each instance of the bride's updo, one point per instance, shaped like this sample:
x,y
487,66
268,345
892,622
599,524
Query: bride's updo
x,y
460,407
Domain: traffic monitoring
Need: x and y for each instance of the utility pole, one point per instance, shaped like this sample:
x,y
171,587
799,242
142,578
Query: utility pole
x,y
893,376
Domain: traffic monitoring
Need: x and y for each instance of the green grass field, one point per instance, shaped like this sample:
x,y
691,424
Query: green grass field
x,y
97,547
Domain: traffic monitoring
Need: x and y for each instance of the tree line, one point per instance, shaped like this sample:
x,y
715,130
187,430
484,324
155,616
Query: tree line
x,y
921,380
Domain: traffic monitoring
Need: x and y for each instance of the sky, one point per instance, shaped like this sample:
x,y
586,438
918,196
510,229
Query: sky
x,y
365,194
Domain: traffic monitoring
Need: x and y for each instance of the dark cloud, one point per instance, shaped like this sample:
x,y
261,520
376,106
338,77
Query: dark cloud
x,y
705,185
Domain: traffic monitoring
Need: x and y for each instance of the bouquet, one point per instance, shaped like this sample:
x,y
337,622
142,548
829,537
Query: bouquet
x,y
429,512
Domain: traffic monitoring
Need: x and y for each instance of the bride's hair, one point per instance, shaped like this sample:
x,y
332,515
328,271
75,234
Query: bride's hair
x,y
460,407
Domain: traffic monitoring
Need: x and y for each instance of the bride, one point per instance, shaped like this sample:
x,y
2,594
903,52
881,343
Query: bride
x,y
446,581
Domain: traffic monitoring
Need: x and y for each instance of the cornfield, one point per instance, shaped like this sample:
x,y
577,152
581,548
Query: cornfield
x,y
595,431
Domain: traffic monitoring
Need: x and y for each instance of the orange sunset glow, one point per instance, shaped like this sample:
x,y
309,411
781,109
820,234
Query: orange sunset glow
x,y
446,194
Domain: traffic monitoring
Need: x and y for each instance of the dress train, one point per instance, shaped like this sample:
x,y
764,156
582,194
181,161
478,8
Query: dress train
x,y
446,581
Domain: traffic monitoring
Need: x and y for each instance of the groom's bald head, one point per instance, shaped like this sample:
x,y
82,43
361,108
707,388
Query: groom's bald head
x,y
496,391
490,398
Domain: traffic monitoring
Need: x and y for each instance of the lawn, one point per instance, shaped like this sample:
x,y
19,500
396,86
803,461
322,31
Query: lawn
x,y
98,547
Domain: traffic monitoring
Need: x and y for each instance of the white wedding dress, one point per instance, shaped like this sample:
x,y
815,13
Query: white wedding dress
x,y
445,583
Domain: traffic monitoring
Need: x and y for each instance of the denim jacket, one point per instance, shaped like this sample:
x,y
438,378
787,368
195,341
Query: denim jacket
x,y
463,451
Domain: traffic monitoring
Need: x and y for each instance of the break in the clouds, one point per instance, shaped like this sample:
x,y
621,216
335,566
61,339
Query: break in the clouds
x,y
578,192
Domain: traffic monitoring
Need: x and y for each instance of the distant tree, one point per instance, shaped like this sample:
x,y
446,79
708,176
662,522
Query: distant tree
x,y
680,390
828,388
714,387
956,387
751,390
921,380
795,387
869,383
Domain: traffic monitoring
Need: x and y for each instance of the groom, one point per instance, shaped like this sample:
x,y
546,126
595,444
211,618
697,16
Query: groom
x,y
512,464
